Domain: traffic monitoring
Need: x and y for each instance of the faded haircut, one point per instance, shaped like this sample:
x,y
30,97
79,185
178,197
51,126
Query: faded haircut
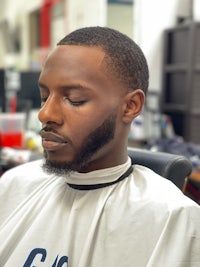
x,y
124,58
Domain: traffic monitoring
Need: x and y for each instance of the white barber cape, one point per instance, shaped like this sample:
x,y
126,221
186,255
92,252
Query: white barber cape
x,y
141,221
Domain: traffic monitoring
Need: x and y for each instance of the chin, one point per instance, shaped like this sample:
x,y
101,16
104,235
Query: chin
x,y
60,165
58,157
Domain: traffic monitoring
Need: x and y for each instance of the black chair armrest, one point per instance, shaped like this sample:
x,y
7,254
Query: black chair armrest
x,y
173,167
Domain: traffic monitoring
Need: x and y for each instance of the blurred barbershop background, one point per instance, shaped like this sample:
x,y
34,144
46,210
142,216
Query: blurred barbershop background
x,y
168,33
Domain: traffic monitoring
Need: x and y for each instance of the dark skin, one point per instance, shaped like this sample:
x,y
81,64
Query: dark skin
x,y
78,95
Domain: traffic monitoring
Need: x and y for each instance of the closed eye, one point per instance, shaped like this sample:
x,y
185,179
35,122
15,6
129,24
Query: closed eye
x,y
76,103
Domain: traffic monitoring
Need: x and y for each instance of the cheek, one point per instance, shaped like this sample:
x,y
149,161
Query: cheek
x,y
80,122
79,127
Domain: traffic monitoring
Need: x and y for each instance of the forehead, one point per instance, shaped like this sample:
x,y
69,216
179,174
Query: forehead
x,y
74,57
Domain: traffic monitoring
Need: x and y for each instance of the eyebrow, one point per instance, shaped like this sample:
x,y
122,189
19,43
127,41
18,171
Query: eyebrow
x,y
65,87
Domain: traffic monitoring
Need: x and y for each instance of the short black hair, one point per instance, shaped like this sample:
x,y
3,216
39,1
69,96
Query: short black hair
x,y
124,58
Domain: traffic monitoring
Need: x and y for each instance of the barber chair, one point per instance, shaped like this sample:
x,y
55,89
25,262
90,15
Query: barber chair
x,y
173,167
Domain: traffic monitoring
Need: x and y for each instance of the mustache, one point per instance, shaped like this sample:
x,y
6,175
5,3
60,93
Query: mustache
x,y
50,134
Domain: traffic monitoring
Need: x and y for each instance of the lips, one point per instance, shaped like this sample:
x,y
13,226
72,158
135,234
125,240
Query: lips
x,y
52,141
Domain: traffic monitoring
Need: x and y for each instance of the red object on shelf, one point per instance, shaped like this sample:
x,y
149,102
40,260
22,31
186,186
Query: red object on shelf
x,y
13,139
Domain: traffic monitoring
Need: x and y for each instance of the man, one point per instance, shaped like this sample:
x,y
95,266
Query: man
x,y
85,205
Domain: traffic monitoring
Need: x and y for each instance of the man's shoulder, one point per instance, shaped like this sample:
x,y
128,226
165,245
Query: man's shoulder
x,y
159,190
25,166
24,172
17,184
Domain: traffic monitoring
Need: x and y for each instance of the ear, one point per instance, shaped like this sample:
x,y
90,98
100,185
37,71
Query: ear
x,y
133,104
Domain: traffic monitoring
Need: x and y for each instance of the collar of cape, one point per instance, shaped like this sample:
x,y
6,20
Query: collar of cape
x,y
101,185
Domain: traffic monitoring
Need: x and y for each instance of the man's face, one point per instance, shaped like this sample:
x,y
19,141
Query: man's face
x,y
80,110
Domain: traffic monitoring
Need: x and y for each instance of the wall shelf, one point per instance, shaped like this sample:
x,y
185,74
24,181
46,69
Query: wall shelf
x,y
180,98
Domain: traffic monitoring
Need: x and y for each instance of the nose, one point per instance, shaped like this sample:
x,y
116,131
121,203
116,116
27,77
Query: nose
x,y
50,112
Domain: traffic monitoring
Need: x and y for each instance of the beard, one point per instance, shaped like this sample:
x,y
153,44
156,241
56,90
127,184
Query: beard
x,y
96,140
